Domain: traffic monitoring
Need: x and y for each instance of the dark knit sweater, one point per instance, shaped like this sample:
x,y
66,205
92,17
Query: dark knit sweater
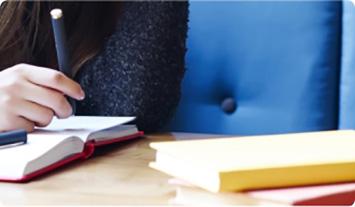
x,y
140,69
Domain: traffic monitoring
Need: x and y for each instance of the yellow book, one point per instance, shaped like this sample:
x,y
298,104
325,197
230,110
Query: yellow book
x,y
243,163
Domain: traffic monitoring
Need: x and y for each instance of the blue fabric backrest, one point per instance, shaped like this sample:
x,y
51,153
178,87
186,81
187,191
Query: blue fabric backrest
x,y
347,79
279,62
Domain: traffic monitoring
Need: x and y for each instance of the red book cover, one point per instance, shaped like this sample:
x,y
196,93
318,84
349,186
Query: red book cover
x,y
332,194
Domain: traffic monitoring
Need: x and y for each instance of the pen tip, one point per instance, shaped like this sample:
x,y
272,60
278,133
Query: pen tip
x,y
56,13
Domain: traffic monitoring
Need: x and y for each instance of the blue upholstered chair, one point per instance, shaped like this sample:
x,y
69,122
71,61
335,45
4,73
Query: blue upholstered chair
x,y
269,67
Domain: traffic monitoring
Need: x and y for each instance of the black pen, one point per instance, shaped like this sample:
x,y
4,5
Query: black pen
x,y
62,47
13,137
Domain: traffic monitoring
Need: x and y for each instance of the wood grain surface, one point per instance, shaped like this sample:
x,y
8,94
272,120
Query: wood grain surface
x,y
116,174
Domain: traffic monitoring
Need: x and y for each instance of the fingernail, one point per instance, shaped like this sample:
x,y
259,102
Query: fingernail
x,y
82,95
71,111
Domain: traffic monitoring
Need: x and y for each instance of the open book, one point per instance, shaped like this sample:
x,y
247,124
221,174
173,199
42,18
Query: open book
x,y
61,142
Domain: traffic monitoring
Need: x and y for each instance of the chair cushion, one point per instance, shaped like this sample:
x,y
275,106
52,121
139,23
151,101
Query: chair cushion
x,y
347,80
276,62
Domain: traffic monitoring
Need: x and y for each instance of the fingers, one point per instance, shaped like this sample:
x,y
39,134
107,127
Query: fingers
x,y
52,79
39,115
49,99
17,122
30,96
23,123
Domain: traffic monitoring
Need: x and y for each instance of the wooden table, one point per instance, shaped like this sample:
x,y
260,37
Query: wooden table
x,y
117,174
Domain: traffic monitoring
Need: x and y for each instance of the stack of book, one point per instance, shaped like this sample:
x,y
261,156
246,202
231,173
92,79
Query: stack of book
x,y
315,168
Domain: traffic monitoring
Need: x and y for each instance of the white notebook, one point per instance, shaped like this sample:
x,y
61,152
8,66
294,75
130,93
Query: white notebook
x,y
64,140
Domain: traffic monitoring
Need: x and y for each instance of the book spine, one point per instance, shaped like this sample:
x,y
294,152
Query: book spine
x,y
89,149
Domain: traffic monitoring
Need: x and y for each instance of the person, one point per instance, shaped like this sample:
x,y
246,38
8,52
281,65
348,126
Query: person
x,y
127,57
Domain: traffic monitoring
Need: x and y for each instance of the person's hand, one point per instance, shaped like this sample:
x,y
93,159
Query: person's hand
x,y
30,96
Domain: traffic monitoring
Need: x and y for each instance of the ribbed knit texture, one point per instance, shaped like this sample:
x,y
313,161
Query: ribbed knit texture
x,y
140,69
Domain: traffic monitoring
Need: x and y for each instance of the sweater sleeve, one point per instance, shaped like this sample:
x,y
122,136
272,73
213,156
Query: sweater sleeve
x,y
140,69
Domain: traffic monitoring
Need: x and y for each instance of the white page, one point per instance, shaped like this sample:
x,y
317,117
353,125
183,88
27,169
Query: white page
x,y
13,160
92,123
81,126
